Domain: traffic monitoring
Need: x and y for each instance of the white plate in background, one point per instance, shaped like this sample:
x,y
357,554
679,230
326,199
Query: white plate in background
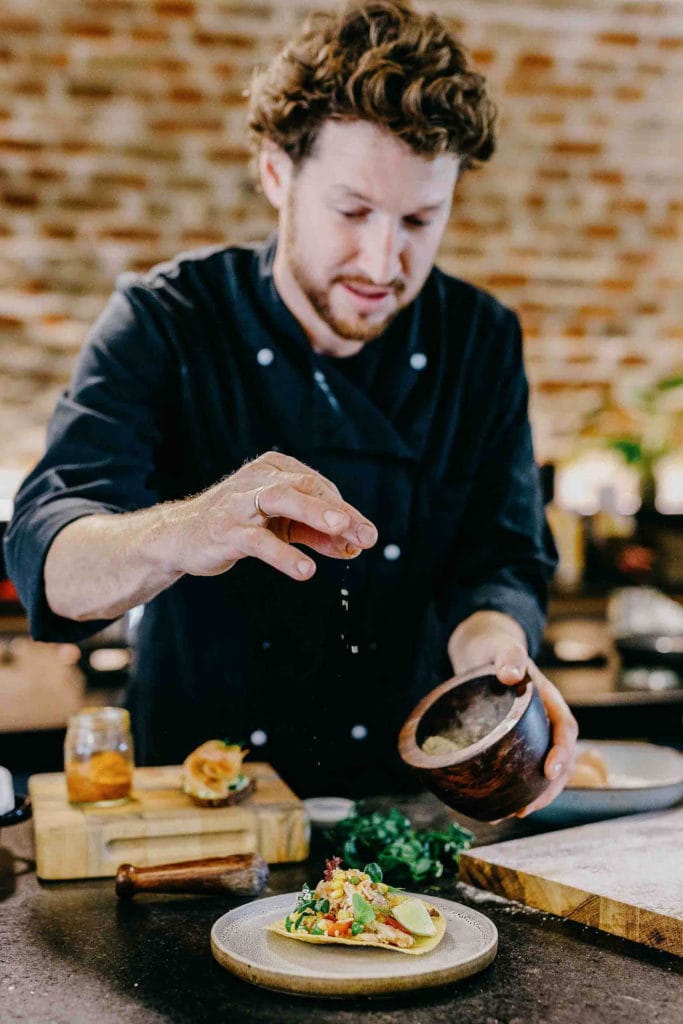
x,y
643,777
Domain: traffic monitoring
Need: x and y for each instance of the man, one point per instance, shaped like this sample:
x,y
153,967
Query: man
x,y
310,460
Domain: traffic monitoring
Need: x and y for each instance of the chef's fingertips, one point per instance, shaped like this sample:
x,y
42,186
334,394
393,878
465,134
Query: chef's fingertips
x,y
554,766
511,664
336,520
366,534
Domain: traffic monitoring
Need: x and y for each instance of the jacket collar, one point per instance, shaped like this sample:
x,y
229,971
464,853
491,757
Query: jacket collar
x,y
343,417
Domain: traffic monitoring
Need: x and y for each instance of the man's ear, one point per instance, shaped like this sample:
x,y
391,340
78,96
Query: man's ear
x,y
275,171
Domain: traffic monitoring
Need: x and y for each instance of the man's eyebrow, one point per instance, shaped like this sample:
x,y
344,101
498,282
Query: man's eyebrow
x,y
342,192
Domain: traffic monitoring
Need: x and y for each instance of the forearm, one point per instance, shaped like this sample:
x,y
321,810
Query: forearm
x,y
470,643
100,566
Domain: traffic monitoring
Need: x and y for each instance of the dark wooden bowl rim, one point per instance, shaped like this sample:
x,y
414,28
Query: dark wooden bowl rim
x,y
413,754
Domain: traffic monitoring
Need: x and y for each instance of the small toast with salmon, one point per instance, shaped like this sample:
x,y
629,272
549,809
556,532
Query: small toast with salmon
x,y
213,776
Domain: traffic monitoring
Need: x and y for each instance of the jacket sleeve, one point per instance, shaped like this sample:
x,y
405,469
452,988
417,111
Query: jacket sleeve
x,y
100,454
503,556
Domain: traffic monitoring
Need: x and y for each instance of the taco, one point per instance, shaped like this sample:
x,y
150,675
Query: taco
x,y
356,908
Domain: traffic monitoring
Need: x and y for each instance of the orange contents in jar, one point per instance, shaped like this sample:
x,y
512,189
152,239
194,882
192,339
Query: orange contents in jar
x,y
105,775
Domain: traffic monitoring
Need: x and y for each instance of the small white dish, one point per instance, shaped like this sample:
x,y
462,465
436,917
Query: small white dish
x,y
6,792
642,777
13,809
324,811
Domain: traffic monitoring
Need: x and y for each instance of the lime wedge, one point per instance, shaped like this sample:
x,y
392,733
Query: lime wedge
x,y
414,916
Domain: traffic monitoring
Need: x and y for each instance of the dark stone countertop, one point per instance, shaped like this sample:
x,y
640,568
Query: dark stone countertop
x,y
71,954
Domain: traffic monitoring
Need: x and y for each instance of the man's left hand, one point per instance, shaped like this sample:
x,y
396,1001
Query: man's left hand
x,y
491,637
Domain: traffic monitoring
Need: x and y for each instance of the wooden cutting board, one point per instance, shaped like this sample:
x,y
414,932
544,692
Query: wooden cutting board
x,y
161,825
624,876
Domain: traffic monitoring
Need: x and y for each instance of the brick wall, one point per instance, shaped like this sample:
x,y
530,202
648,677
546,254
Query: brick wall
x,y
122,142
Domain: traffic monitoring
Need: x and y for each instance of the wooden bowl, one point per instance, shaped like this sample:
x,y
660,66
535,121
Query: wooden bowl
x,y
497,774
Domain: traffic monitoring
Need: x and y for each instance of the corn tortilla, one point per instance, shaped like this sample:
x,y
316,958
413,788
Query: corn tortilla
x,y
423,943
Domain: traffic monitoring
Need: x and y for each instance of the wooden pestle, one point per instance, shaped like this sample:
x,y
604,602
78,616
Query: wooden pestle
x,y
240,874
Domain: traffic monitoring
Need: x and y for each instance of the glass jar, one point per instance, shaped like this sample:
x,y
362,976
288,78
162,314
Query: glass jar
x,y
98,757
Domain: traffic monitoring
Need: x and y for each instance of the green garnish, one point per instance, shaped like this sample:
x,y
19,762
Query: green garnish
x,y
305,897
288,923
317,930
357,928
354,880
362,911
307,904
374,871
403,855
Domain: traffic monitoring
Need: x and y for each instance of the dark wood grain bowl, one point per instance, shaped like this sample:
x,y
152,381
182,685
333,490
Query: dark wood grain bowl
x,y
500,773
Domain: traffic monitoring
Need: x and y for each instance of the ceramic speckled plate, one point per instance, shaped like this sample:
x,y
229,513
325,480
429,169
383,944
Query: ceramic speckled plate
x,y
241,942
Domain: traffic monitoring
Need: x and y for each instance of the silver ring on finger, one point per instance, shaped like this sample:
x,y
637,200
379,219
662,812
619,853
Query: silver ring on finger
x,y
257,503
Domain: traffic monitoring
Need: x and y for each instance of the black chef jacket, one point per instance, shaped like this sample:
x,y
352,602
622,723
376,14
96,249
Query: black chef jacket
x,y
198,366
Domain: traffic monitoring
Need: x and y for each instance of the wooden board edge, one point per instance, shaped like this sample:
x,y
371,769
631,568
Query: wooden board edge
x,y
637,924
62,852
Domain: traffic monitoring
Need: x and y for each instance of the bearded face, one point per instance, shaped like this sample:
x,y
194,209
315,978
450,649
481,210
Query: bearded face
x,y
360,223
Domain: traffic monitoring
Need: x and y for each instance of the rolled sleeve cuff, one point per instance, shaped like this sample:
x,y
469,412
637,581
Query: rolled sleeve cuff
x,y
25,552
520,605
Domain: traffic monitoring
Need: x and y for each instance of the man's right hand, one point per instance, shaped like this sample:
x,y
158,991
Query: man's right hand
x,y
207,534
99,566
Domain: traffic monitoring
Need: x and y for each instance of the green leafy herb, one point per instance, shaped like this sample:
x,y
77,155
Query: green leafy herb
x,y
631,449
404,856
305,897
362,910
357,928
669,383
374,871
307,904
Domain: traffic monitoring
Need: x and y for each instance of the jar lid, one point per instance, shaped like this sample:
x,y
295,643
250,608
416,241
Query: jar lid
x,y
101,717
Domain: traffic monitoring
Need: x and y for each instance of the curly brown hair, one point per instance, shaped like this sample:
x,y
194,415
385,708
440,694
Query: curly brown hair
x,y
379,61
